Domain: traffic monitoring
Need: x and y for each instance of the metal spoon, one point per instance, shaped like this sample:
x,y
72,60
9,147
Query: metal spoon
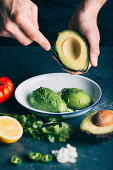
x,y
54,52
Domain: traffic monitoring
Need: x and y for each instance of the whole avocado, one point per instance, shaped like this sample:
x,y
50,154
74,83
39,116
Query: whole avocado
x,y
47,100
75,98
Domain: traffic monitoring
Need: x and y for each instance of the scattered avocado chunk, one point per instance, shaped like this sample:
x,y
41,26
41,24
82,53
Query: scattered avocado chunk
x,y
75,98
47,100
98,124
72,50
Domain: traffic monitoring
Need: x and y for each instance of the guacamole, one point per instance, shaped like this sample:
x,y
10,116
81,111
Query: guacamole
x,y
47,100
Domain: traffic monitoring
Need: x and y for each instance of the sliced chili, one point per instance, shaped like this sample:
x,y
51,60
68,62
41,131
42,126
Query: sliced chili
x,y
16,160
47,158
34,156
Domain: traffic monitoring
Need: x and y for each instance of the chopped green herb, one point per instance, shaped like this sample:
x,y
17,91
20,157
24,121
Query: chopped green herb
x,y
51,138
22,119
55,118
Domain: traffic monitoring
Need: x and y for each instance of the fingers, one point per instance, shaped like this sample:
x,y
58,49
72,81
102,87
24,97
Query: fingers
x,y
5,34
16,32
71,72
76,72
89,67
23,24
34,11
32,32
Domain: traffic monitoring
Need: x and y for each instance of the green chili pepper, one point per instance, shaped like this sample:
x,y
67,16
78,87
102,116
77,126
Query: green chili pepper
x,y
16,160
34,156
47,158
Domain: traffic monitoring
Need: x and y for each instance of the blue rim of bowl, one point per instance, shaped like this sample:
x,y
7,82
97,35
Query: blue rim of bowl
x,y
66,113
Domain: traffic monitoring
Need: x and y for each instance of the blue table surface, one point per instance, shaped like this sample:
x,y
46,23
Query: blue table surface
x,y
21,63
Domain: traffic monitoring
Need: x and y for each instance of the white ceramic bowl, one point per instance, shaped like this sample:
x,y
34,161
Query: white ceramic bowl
x,y
56,82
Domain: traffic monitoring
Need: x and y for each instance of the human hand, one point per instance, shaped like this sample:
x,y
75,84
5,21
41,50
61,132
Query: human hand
x,y
19,19
84,20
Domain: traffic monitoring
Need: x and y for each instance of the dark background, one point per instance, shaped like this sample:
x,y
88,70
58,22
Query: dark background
x,y
54,16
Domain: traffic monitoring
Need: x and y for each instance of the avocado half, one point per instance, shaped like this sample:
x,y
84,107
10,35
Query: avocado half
x,y
89,126
72,51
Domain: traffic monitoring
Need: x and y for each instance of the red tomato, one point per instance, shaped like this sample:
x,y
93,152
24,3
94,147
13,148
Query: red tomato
x,y
6,88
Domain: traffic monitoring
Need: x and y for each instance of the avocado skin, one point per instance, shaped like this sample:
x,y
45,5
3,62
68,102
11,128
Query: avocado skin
x,y
100,136
75,98
47,100
97,137
88,53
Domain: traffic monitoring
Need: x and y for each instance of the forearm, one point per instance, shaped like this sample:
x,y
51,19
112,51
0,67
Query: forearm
x,y
92,6
101,2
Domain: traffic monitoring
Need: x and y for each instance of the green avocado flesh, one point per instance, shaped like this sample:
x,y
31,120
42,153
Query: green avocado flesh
x,y
47,100
72,50
75,98
88,126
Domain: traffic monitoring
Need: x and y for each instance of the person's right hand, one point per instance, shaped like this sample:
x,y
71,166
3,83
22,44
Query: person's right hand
x,y
19,19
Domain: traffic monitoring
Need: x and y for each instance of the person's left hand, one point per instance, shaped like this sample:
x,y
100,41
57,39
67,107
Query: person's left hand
x,y
85,22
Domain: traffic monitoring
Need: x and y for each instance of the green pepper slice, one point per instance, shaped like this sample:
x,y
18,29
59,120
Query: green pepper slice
x,y
34,156
47,158
16,160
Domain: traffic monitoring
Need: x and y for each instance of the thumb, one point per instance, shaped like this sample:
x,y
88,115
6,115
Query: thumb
x,y
94,53
94,39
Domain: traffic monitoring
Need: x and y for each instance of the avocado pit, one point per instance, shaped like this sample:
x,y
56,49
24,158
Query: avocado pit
x,y
103,118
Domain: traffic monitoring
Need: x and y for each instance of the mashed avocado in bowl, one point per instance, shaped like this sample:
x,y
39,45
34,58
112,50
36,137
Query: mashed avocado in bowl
x,y
69,98
46,99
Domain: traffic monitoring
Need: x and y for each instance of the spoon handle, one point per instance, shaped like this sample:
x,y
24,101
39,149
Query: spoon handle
x,y
53,52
